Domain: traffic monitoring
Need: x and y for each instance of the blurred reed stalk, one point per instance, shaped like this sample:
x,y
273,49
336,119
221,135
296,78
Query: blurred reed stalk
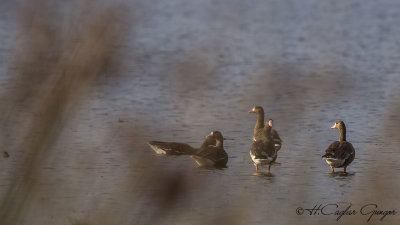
x,y
54,70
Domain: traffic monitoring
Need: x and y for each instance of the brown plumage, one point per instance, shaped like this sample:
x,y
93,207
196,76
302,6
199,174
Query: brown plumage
x,y
262,151
275,136
340,153
259,127
210,155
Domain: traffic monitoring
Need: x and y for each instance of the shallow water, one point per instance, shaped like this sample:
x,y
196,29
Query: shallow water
x,y
191,67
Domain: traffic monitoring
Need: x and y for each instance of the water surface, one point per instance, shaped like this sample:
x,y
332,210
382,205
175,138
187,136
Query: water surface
x,y
186,68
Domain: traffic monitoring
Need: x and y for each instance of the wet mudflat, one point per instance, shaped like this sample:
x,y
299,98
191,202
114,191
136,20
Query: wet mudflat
x,y
83,91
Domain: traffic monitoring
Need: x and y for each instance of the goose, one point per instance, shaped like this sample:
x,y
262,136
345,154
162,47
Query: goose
x,y
212,156
340,153
262,151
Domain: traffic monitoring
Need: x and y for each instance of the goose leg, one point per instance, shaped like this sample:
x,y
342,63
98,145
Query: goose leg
x,y
332,170
256,168
344,169
269,168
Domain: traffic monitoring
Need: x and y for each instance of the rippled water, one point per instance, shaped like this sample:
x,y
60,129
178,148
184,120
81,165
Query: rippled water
x,y
190,67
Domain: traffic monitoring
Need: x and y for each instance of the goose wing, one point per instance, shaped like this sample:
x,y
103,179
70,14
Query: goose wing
x,y
262,149
213,153
339,150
